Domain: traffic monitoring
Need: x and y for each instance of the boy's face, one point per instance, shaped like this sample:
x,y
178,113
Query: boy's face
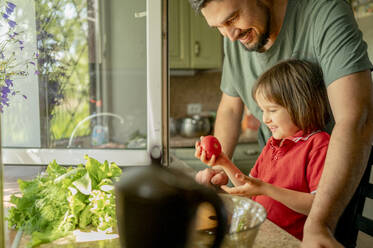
x,y
243,20
277,118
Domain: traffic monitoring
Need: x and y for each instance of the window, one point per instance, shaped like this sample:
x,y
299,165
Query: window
x,y
96,88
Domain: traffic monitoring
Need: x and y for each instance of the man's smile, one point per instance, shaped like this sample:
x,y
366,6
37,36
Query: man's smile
x,y
246,37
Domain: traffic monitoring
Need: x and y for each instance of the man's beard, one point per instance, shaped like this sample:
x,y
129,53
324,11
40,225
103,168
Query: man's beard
x,y
258,46
263,38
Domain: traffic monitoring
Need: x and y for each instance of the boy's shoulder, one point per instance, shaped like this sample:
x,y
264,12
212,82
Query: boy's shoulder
x,y
319,139
316,138
320,135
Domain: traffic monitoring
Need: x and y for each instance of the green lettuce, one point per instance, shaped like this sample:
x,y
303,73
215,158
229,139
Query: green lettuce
x,y
63,199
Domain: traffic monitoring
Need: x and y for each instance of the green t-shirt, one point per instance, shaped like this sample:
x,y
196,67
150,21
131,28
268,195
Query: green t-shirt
x,y
321,31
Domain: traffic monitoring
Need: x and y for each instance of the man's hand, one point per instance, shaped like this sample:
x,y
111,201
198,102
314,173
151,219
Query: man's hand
x,y
211,176
318,236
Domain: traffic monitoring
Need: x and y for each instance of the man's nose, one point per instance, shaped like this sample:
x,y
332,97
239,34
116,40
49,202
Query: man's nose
x,y
232,33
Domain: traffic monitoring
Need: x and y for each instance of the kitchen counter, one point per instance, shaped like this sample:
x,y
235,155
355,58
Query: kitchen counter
x,y
269,236
272,236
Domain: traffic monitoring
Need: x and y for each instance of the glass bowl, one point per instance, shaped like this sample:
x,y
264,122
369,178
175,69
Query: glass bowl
x,y
244,219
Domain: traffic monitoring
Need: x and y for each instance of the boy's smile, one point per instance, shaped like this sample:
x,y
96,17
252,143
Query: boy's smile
x,y
277,118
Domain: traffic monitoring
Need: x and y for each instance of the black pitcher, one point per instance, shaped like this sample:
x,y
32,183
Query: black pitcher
x,y
156,207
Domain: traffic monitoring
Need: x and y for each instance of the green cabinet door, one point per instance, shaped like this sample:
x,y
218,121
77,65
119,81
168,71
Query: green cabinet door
x,y
179,33
206,44
192,43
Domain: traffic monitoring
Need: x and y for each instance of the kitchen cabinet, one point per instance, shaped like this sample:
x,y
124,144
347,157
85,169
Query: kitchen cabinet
x,y
192,43
244,157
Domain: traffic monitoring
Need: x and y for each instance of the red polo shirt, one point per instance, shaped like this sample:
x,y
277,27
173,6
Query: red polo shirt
x,y
297,165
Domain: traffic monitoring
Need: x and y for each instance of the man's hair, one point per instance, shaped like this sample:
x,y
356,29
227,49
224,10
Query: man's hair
x,y
298,86
197,5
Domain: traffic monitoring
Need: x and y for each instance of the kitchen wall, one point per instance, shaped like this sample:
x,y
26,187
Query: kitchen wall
x,y
204,88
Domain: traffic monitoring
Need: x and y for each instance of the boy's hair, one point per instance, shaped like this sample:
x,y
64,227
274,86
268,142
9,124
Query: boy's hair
x,y
298,86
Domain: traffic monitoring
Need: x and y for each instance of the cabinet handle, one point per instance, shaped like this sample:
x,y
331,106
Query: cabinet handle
x,y
197,48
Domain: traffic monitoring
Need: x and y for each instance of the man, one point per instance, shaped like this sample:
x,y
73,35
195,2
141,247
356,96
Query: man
x,y
259,34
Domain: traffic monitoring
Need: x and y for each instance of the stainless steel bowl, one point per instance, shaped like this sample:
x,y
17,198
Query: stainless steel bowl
x,y
195,126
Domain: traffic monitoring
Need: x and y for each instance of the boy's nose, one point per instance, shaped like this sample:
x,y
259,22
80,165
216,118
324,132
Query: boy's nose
x,y
266,119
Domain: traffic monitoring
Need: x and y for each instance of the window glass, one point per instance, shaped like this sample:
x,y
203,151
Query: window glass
x,y
88,87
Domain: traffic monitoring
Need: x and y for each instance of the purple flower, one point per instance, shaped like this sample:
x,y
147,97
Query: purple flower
x,y
37,55
9,82
5,16
24,96
21,47
31,62
9,10
4,99
5,90
20,42
11,5
37,72
11,23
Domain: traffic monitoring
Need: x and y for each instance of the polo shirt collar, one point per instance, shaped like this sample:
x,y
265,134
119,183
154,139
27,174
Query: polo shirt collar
x,y
298,136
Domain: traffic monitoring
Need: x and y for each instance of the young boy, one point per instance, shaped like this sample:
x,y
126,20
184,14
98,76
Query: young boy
x,y
284,179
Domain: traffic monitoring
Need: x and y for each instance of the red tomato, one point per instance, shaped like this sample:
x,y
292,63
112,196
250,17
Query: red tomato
x,y
211,145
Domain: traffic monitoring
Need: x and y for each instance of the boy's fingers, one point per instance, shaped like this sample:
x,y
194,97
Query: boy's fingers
x,y
212,160
238,176
197,152
230,190
225,188
242,177
203,157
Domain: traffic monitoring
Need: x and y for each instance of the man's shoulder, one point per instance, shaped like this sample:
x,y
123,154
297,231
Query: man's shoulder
x,y
318,8
319,5
325,8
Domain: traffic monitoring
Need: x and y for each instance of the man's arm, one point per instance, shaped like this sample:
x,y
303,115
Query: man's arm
x,y
350,143
227,124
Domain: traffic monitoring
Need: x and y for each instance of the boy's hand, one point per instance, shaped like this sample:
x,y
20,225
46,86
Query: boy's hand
x,y
250,186
213,161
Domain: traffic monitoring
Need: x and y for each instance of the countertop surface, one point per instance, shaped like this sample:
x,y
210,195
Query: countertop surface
x,y
269,236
